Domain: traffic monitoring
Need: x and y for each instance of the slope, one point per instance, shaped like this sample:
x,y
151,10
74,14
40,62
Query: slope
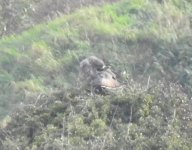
x,y
136,38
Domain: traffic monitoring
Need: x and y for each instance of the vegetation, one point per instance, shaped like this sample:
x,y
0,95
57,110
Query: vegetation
x,y
19,15
148,44
132,118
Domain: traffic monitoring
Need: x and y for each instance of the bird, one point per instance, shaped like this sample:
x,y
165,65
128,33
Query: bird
x,y
96,75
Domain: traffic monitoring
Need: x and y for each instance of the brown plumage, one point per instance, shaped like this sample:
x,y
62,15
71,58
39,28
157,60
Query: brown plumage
x,y
90,67
94,73
110,80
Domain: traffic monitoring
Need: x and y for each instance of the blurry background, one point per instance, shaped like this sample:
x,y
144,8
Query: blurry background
x,y
148,44
43,41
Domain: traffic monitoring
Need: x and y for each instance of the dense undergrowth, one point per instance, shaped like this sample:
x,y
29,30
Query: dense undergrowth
x,y
132,118
148,42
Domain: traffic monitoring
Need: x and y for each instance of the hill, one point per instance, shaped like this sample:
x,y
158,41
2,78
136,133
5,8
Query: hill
x,y
136,38
19,15
151,53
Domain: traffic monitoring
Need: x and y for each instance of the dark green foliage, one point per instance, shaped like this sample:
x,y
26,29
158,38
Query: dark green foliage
x,y
133,118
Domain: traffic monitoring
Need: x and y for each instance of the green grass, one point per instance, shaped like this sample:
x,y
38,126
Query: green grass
x,y
143,40
52,50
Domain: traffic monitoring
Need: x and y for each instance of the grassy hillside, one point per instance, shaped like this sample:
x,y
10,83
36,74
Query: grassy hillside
x,y
19,15
148,42
136,38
